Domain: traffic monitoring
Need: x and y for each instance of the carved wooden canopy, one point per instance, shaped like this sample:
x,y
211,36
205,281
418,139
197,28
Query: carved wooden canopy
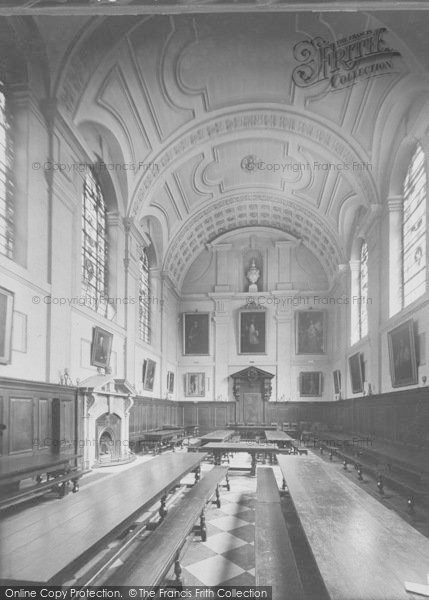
x,y
252,374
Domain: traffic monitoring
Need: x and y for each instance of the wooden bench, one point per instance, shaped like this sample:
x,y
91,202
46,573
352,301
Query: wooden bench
x,y
154,557
58,470
387,465
274,556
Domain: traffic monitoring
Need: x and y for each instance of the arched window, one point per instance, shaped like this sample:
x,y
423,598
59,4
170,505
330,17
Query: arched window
x,y
414,229
363,290
6,182
144,298
94,245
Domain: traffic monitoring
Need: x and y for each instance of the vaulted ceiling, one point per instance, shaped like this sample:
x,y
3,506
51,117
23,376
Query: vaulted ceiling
x,y
209,113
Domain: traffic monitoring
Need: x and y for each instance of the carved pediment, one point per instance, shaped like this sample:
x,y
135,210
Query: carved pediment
x,y
252,373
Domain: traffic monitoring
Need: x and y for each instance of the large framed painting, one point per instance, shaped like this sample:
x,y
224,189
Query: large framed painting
x,y
402,355
101,347
170,382
196,333
195,384
337,381
310,332
356,372
6,317
148,374
310,383
252,331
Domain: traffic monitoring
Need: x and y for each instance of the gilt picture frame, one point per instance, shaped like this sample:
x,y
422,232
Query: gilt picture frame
x,y
402,355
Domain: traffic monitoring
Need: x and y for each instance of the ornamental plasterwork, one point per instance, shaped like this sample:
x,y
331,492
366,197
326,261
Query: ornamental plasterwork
x,y
289,122
251,210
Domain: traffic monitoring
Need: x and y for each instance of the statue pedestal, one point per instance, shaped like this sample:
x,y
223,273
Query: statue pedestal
x,y
253,288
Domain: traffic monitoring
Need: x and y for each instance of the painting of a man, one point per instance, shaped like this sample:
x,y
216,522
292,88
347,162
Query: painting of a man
x,y
252,332
196,333
402,354
310,332
101,347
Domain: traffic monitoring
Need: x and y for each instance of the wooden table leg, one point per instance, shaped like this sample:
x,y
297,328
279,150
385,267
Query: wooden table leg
x,y
253,467
163,510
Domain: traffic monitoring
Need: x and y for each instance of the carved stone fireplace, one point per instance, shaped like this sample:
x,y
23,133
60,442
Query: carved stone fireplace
x,y
107,403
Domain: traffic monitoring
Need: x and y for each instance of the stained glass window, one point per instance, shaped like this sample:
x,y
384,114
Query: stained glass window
x,y
414,229
6,181
363,291
94,245
144,298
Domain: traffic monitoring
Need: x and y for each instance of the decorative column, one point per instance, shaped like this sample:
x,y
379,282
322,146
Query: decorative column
x,y
285,348
222,327
284,264
223,258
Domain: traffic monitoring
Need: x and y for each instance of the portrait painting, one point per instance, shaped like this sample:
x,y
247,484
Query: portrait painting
x,y
170,382
195,333
148,374
101,347
310,383
356,372
337,381
402,355
310,332
6,316
195,384
252,331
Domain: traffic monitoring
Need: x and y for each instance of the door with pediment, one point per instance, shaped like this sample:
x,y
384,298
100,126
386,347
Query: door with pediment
x,y
251,403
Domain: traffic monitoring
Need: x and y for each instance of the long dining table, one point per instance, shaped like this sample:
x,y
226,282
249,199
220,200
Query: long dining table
x,y
363,550
45,542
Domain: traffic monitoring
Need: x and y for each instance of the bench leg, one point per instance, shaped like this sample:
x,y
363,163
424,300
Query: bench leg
x,y
253,466
217,496
203,527
163,511
197,474
178,571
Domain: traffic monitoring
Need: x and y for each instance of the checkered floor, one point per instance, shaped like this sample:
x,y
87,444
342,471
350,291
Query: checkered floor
x,y
228,555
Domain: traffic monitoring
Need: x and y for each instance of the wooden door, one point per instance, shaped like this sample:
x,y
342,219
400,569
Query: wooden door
x,y
252,408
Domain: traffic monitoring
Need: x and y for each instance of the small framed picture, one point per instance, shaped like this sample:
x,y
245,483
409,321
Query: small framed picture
x,y
195,384
101,347
170,382
310,383
252,331
337,381
310,332
148,374
6,318
402,355
356,372
196,333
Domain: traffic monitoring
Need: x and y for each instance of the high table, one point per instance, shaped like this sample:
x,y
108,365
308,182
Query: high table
x,y
216,436
363,550
278,437
253,448
158,437
250,430
41,544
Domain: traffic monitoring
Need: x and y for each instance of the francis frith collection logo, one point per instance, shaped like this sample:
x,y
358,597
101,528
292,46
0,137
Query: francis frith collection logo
x,y
343,62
